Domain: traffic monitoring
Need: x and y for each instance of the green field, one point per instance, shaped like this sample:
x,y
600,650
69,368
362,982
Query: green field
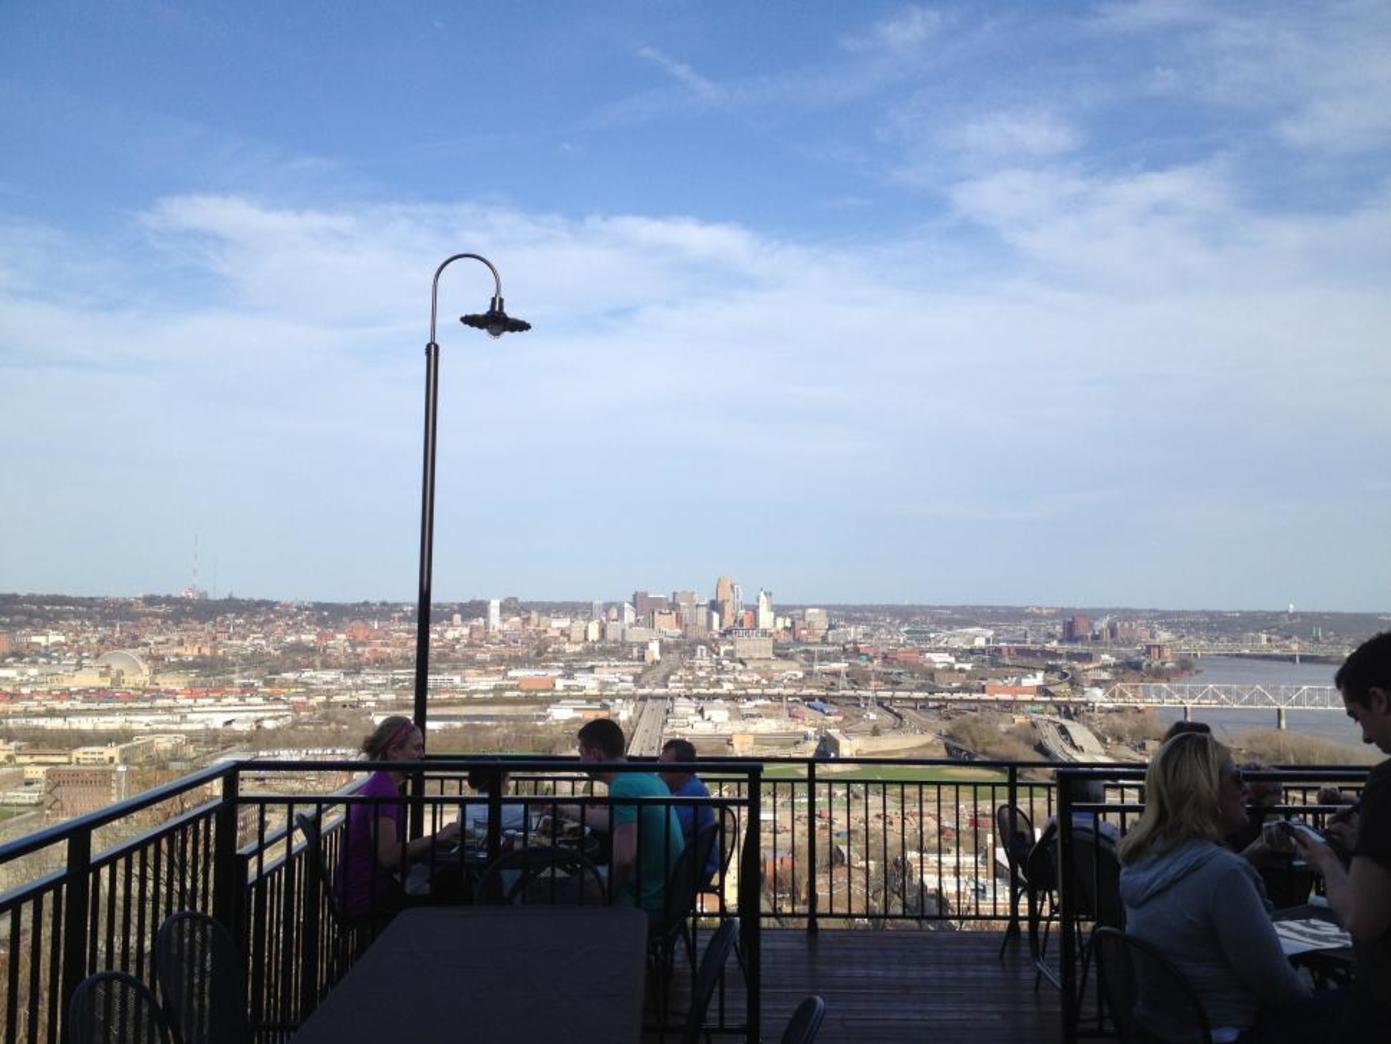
x,y
826,771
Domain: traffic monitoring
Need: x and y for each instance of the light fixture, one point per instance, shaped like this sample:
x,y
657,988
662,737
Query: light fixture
x,y
496,322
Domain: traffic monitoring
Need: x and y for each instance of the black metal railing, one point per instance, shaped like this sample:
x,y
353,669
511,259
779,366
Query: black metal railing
x,y
93,892
842,843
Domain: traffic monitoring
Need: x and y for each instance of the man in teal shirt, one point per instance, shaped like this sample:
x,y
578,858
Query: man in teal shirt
x,y
646,839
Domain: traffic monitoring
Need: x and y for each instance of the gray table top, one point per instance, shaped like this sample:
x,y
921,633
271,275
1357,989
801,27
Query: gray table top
x,y
501,973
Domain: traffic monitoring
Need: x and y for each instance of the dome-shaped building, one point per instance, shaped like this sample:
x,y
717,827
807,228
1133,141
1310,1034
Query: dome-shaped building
x,y
126,667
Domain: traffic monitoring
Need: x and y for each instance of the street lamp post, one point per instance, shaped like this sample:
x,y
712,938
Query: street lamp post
x,y
496,322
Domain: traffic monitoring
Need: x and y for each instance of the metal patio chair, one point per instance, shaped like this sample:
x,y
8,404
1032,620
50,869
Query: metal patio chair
x,y
712,964
202,979
1144,994
805,1023
115,1008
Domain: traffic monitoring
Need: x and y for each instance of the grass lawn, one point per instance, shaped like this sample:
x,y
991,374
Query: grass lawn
x,y
894,773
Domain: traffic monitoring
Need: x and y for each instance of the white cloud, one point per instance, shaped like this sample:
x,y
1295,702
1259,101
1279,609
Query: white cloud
x,y
1319,71
706,90
905,31
1005,134
939,145
1145,324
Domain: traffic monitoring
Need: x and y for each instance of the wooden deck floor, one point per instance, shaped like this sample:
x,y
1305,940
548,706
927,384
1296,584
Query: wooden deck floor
x,y
900,986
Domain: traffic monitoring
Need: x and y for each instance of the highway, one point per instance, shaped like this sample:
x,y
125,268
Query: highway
x,y
1069,741
646,740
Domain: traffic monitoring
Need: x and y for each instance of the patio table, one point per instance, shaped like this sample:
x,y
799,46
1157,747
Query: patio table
x,y
513,973
1327,960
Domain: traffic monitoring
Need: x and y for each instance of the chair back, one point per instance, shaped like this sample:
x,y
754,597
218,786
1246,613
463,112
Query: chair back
x,y
1146,996
544,874
678,898
202,979
805,1023
1040,869
712,963
318,867
728,839
115,1008
1096,875
1015,832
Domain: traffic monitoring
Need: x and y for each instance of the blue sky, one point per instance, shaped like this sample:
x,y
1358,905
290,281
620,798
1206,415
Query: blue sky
x,y
1073,304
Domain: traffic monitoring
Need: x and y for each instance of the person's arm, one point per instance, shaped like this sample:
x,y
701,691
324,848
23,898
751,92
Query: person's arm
x,y
389,842
1259,853
1249,942
685,815
624,854
1360,897
596,817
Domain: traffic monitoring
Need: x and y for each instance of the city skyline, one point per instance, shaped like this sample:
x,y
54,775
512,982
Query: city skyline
x,y
950,304
442,604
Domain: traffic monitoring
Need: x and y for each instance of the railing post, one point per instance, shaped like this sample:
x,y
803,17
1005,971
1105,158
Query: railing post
x,y
310,951
494,841
1005,843
226,887
77,887
1067,935
812,925
416,813
495,808
751,904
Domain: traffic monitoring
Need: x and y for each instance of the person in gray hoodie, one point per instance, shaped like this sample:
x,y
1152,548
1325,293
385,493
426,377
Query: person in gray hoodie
x,y
1199,903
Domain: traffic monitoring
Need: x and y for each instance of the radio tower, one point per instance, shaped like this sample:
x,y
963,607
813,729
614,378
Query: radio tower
x,y
193,592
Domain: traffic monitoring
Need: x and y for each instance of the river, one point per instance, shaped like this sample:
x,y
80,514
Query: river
x,y
1241,670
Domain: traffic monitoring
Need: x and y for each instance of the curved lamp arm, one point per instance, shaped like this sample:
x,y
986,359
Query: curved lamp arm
x,y
435,287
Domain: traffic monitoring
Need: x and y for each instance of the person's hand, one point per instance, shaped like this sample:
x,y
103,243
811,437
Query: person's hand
x,y
1276,837
447,834
1314,850
1342,834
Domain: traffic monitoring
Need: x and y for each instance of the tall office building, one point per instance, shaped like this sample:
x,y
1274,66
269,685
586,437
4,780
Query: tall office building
x,y
645,602
736,605
684,602
627,615
764,620
1078,628
596,610
724,601
494,615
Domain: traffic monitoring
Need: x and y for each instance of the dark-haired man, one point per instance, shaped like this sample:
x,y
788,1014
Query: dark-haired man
x,y
1182,728
684,783
646,839
1360,895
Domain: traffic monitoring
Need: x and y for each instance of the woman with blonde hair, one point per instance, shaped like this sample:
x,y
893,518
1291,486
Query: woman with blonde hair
x,y
1197,902
373,855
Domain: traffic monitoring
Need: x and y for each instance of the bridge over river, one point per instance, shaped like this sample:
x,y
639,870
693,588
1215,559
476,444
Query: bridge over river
x,y
1254,697
1121,694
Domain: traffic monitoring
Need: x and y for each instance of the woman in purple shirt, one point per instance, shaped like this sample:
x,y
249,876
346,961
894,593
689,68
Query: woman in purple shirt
x,y
373,853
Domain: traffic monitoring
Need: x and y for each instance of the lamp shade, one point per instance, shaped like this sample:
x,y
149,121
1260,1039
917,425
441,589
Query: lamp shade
x,y
495,320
